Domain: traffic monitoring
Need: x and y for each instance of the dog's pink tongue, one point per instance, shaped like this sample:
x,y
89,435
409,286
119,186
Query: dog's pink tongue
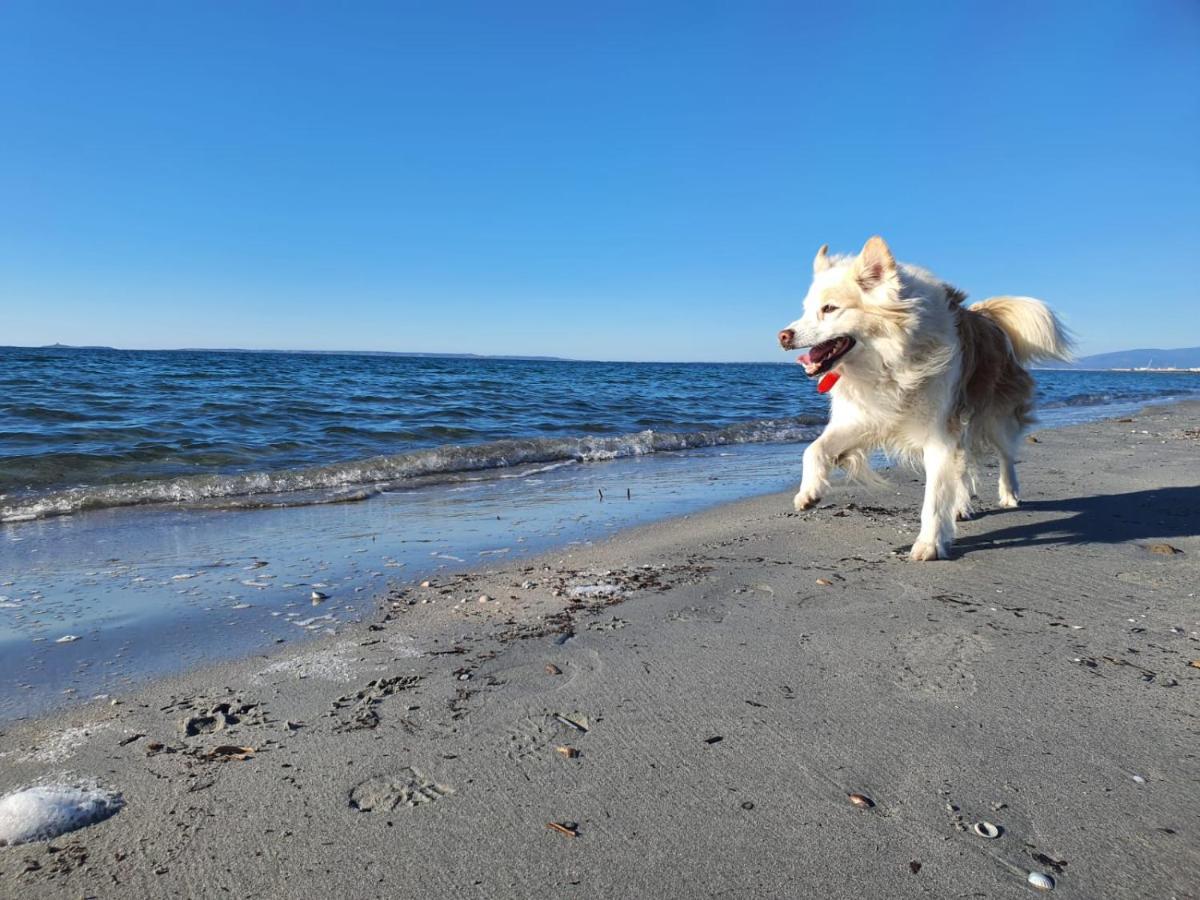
x,y
803,360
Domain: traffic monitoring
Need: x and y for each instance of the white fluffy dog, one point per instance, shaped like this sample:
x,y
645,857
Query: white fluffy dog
x,y
913,372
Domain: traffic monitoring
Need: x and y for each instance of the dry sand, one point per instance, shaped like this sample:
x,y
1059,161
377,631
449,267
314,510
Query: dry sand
x,y
738,674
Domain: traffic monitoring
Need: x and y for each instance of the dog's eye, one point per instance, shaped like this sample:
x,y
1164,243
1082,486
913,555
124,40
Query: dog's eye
x,y
827,309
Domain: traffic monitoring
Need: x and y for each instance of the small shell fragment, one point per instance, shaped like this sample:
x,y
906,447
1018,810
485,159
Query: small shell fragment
x,y
824,582
552,669
568,752
1040,882
986,830
862,801
230,751
1163,549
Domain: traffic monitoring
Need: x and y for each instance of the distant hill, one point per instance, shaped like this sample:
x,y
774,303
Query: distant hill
x,y
1180,358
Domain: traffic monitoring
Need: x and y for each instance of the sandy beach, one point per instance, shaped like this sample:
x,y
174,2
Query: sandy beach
x,y
692,703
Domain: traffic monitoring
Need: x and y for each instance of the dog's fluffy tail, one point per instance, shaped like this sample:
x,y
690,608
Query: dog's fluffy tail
x,y
1035,332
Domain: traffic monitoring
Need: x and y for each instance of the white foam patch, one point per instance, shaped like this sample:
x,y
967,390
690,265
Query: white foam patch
x,y
45,811
61,744
595,590
330,664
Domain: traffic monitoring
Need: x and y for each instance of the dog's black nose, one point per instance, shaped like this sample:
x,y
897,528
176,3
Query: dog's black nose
x,y
786,337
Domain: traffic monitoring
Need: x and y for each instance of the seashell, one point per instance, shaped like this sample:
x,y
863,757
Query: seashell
x,y
987,830
862,801
1040,882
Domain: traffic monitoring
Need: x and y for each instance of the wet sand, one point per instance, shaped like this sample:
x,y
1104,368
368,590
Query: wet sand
x,y
694,701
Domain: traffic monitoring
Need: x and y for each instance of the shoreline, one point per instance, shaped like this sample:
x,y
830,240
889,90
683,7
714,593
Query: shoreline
x,y
742,655
151,592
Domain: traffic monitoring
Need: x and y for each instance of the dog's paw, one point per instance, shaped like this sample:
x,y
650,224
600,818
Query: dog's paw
x,y
805,500
923,551
1009,501
963,513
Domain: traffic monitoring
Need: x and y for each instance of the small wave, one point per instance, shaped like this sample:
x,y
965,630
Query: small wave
x,y
1110,397
358,479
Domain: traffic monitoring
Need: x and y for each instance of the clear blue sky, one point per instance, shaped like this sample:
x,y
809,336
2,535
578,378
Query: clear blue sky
x,y
622,181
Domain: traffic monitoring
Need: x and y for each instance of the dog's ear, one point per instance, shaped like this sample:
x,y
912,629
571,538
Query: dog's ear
x,y
875,265
821,260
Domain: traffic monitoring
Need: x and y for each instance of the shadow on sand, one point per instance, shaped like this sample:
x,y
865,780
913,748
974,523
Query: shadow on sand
x,y
1106,519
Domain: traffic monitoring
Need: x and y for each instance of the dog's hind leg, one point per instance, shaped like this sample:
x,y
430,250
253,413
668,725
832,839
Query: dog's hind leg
x,y
942,483
1009,434
963,508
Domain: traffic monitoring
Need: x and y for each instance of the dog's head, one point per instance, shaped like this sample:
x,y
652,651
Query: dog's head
x,y
853,305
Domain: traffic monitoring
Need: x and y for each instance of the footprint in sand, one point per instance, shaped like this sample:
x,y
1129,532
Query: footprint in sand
x,y
939,665
384,793
712,615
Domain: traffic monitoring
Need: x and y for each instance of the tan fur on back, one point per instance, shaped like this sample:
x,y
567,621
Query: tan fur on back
x,y
992,381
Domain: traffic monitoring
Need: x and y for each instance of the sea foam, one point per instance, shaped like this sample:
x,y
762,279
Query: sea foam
x,y
359,479
45,811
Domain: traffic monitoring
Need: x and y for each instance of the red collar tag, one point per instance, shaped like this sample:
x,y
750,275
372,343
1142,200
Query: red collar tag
x,y
828,380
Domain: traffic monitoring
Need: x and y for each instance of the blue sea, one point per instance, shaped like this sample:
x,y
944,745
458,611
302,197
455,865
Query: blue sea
x,y
92,429
163,510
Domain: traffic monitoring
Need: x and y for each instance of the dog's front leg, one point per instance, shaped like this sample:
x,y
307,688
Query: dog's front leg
x,y
937,513
819,458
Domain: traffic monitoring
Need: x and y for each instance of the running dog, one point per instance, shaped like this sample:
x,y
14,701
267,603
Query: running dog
x,y
915,373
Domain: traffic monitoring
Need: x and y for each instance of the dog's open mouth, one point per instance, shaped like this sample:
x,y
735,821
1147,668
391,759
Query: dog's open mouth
x,y
822,357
